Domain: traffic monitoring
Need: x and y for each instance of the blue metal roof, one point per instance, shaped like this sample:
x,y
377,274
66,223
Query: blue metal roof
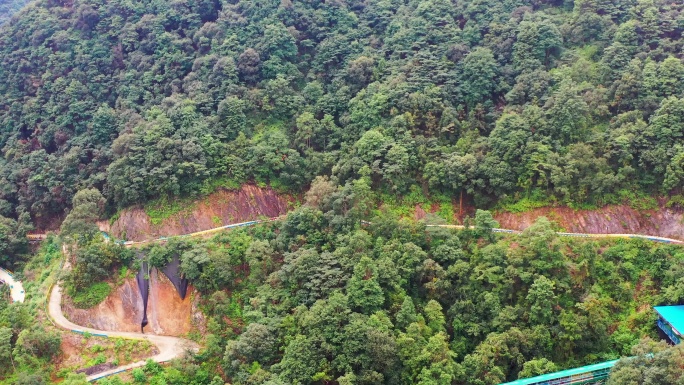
x,y
674,315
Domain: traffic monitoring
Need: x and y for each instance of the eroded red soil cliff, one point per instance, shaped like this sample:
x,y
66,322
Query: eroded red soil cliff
x,y
616,219
612,219
167,313
220,208
121,311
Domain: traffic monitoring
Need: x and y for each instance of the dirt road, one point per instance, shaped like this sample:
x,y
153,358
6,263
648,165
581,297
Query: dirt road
x,y
169,347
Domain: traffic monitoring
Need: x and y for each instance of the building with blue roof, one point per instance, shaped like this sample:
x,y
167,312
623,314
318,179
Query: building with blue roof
x,y
671,321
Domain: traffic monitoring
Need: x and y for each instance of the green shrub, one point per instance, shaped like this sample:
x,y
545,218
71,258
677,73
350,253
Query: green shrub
x,y
211,185
637,200
536,198
139,376
675,201
92,295
115,217
524,205
446,208
100,359
415,196
164,208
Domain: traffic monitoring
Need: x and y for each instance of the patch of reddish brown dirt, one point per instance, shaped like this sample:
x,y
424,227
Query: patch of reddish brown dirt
x,y
71,349
44,224
219,208
167,314
77,350
613,219
419,213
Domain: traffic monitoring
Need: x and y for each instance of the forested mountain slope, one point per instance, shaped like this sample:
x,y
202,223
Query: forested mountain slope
x,y
109,104
577,101
9,8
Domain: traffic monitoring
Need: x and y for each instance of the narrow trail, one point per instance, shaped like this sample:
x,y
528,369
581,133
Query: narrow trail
x,y
169,347
457,227
16,288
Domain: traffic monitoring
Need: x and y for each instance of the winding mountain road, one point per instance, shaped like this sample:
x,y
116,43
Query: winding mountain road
x,y
169,347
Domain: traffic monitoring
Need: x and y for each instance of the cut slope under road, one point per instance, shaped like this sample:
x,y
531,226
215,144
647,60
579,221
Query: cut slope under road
x,y
169,347
16,288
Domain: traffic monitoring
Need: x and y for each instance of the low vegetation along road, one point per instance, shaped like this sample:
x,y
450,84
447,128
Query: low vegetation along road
x,y
16,288
169,347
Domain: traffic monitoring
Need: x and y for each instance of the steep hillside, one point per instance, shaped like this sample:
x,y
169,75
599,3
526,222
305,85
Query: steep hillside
x,y
361,109
250,202
9,7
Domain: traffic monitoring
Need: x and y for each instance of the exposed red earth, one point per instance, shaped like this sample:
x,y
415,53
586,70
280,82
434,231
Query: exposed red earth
x,y
219,208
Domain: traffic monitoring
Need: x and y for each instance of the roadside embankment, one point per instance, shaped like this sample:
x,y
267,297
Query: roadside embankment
x,y
612,219
222,207
168,347
663,221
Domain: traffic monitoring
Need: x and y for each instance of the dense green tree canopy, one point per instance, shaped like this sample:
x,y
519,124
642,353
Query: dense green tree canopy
x,y
493,99
9,8
108,104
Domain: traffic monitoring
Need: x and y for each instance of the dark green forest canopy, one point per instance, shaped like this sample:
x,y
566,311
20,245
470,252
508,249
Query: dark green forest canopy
x,y
9,7
496,99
